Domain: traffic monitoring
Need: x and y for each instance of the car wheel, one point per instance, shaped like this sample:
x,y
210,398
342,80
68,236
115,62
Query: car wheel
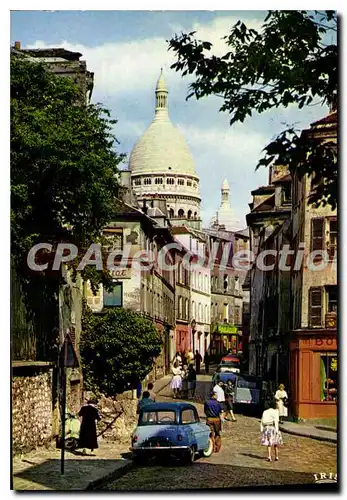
x,y
188,457
138,459
207,452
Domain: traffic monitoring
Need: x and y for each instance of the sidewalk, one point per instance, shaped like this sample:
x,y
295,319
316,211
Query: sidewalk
x,y
40,469
309,431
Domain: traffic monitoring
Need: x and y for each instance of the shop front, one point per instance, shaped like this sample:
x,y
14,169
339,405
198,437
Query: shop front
x,y
313,374
183,335
226,338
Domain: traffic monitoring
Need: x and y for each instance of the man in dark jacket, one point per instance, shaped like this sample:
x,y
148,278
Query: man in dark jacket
x,y
213,410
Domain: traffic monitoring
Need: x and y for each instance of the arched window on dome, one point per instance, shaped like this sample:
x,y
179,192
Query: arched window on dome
x,y
147,181
195,185
180,182
170,180
159,180
189,215
181,213
195,215
171,213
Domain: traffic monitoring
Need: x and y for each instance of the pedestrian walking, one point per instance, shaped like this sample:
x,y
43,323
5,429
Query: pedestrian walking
x,y
152,394
220,396
198,359
213,410
282,400
191,381
146,399
89,416
176,381
206,362
184,375
270,434
229,392
178,359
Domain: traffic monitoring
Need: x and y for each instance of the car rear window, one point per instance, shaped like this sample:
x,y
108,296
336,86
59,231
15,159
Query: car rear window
x,y
160,417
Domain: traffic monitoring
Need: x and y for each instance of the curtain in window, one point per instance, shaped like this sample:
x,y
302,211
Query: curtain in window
x,y
323,377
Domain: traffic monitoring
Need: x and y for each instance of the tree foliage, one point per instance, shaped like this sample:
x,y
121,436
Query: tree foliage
x,y
63,168
291,60
117,349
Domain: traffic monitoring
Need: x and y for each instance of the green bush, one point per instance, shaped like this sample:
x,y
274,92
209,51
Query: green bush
x,y
118,349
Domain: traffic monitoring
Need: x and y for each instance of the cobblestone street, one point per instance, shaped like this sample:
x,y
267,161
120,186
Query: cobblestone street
x,y
240,463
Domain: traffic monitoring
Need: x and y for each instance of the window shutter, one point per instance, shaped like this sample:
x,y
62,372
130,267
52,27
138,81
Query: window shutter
x,y
315,307
317,233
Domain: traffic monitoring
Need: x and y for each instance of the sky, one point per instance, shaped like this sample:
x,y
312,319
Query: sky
x,y
126,50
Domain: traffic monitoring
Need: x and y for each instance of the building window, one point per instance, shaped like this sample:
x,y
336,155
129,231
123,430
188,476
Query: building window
x,y
180,307
317,225
206,318
147,181
170,180
237,315
181,182
189,215
181,213
159,180
287,194
171,213
137,182
328,376
114,239
315,307
199,312
332,299
195,215
187,309
189,183
115,297
332,237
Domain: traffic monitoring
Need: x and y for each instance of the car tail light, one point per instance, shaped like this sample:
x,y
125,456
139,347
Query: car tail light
x,y
180,437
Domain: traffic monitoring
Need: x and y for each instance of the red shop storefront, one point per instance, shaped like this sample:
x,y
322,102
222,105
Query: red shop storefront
x,y
183,337
313,374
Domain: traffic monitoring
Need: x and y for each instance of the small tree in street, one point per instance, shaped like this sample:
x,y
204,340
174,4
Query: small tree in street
x,y
117,349
291,60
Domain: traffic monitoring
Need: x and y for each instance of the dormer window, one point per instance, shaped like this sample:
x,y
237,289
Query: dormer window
x,y
170,180
147,181
159,180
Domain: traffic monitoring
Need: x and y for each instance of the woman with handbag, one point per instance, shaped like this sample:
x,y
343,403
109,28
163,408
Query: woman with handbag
x,y
282,400
270,434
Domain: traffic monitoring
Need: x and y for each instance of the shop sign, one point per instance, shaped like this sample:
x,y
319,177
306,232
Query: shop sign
x,y
329,342
227,329
121,274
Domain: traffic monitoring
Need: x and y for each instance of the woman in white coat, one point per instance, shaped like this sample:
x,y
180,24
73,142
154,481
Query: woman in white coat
x,y
282,397
176,381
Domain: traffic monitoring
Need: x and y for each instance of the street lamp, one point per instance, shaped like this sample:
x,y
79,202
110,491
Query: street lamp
x,y
193,324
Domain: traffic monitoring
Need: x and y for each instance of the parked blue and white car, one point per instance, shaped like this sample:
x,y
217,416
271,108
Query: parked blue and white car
x,y
171,429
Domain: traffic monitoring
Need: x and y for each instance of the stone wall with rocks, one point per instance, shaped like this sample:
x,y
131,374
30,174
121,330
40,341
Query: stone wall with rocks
x,y
118,417
31,409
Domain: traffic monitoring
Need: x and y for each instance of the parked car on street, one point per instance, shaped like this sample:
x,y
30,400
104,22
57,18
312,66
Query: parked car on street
x,y
170,429
249,393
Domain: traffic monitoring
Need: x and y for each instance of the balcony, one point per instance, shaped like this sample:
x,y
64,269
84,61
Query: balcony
x,y
331,320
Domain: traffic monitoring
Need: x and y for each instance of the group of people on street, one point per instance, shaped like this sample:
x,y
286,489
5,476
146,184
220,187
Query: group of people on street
x,y
220,404
183,382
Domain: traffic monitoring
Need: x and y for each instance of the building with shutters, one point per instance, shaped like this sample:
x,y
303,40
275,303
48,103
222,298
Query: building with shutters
x,y
293,308
313,349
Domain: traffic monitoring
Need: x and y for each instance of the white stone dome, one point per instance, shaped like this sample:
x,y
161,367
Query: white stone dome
x,y
162,148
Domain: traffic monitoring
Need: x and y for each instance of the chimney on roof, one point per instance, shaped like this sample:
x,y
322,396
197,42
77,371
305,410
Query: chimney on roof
x,y
17,45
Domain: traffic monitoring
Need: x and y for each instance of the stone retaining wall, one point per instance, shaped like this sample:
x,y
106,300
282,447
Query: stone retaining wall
x,y
31,410
118,416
